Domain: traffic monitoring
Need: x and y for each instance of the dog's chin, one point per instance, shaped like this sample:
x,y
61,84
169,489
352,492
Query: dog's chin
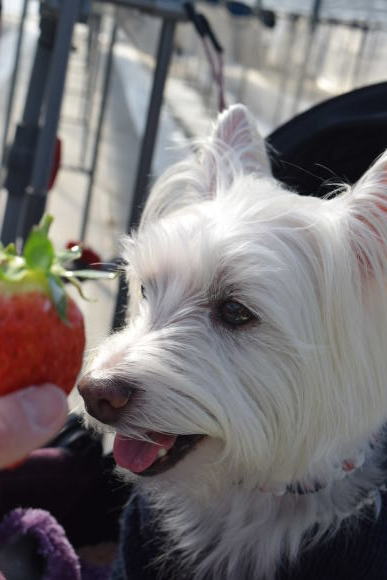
x,y
155,456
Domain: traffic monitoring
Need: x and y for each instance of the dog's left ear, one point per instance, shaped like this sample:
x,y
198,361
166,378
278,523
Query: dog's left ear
x,y
235,148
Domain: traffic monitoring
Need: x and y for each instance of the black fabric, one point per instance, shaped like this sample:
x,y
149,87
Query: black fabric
x,y
355,553
141,544
332,142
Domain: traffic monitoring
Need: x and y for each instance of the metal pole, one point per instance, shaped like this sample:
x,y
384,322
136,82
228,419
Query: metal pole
x,y
164,54
12,87
40,72
101,118
37,192
92,64
140,191
20,157
313,21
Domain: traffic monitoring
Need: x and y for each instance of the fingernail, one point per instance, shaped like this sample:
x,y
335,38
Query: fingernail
x,y
44,406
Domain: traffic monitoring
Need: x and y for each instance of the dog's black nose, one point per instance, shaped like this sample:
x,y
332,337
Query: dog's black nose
x,y
105,398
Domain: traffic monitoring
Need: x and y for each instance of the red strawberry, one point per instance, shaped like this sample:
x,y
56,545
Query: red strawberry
x,y
42,333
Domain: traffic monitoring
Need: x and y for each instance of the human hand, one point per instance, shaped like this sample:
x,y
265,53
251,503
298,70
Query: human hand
x,y
28,419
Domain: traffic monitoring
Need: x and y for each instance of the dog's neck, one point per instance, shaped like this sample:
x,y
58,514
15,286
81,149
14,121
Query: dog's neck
x,y
250,529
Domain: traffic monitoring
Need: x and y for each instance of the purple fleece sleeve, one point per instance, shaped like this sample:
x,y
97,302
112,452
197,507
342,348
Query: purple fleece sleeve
x,y
60,559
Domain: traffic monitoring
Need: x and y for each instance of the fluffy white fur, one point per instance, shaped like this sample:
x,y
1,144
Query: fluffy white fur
x,y
284,399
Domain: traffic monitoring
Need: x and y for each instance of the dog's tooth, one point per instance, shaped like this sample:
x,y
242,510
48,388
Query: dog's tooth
x,y
162,452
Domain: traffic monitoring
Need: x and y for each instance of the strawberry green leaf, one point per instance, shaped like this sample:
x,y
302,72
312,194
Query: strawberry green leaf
x,y
69,255
75,282
10,250
12,268
90,274
45,224
40,267
38,251
58,295
6,254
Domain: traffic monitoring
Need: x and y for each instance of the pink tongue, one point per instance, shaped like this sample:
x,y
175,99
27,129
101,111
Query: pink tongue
x,y
138,455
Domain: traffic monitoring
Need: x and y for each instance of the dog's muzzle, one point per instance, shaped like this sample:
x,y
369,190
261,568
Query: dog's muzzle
x,y
105,399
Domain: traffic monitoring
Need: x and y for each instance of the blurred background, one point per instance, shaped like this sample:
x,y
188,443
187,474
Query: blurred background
x,y
280,58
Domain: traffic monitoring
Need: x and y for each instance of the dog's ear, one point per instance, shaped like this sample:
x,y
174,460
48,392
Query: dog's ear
x,y
236,132
235,148
367,205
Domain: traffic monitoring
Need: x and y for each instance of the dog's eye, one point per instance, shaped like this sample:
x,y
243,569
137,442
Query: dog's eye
x,y
234,313
143,293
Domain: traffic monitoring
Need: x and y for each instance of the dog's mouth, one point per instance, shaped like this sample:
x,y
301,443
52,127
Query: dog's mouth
x,y
155,456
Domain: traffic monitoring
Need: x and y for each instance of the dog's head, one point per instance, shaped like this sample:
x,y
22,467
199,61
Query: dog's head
x,y
256,335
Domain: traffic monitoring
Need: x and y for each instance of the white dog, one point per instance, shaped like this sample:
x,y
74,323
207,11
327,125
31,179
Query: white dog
x,y
249,388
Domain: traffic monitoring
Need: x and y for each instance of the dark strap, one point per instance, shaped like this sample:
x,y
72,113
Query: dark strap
x,y
357,552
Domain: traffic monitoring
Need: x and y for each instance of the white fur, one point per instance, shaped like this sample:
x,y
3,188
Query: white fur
x,y
286,399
